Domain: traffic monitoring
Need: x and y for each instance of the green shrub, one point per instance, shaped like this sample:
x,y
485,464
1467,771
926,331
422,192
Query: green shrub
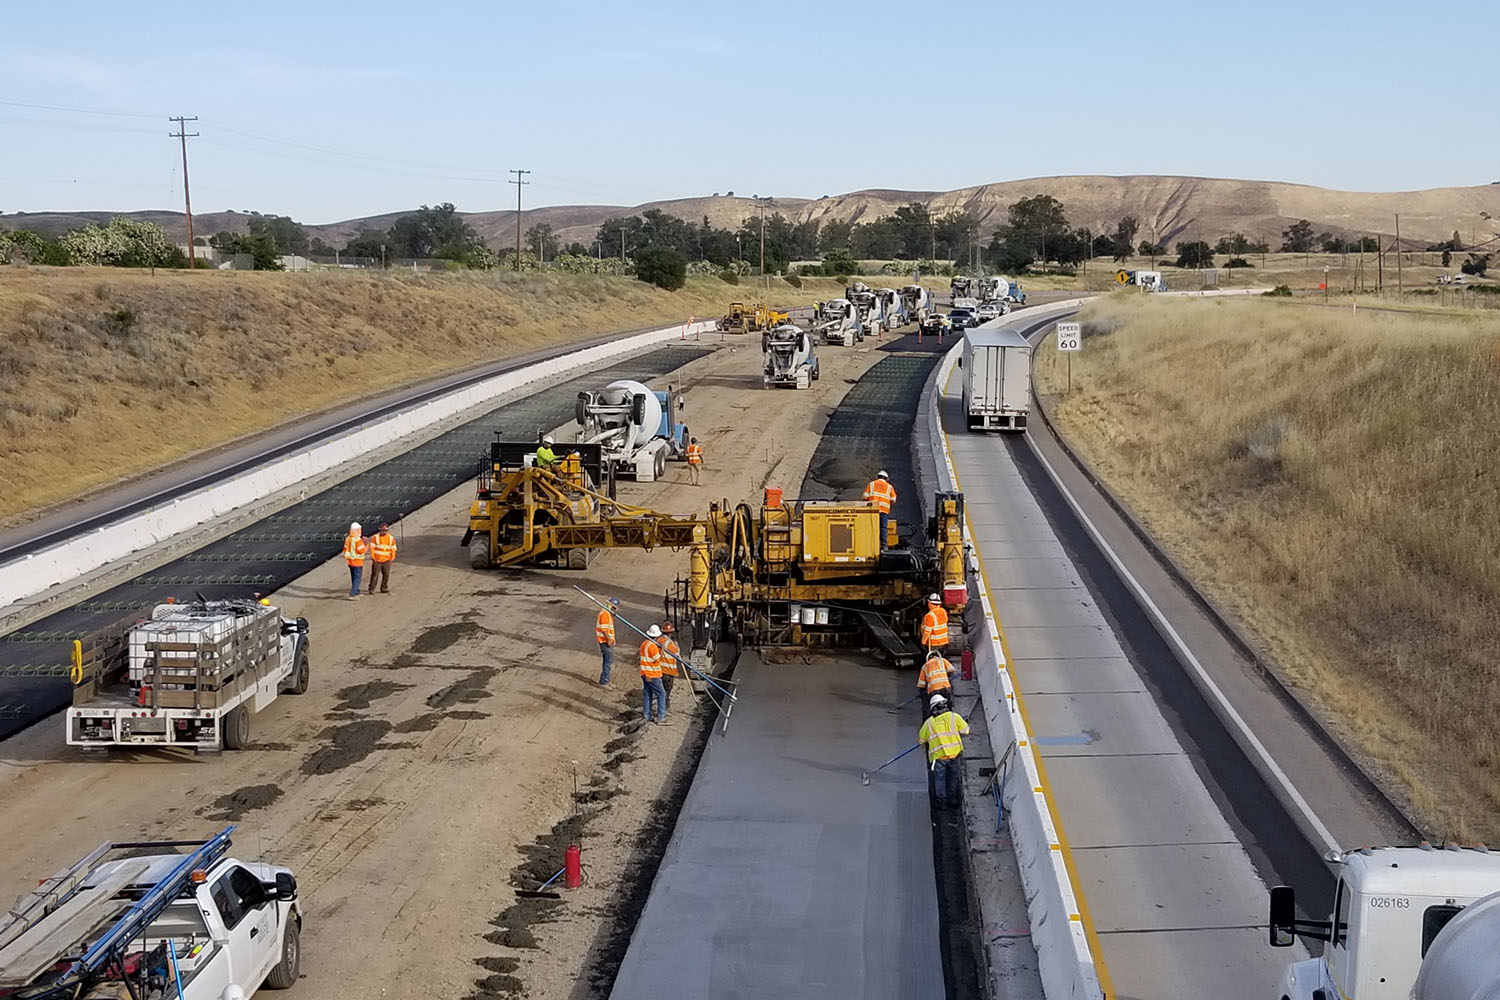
x,y
662,267
1485,289
1281,291
794,279
1238,262
729,277
842,279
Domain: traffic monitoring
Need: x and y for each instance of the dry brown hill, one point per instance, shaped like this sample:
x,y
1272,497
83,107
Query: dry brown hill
x,y
1169,209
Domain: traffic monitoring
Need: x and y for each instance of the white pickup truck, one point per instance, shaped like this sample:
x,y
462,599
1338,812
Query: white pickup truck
x,y
190,676
145,921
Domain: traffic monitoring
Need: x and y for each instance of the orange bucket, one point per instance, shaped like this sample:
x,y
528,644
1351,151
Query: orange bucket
x,y
773,496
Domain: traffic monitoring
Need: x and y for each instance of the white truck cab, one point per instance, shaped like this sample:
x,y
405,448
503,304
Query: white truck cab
x,y
1389,905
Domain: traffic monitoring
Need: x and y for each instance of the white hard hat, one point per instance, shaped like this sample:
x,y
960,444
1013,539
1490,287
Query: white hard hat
x,y
936,700
354,526
882,474
653,632
933,654
934,599
546,439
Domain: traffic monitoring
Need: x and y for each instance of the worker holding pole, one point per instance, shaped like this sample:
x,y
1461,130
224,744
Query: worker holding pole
x,y
882,494
546,458
355,548
670,654
694,461
943,735
382,554
604,631
935,625
651,685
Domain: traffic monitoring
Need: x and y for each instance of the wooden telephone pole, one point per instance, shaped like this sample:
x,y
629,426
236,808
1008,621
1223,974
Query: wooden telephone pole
x,y
187,199
519,182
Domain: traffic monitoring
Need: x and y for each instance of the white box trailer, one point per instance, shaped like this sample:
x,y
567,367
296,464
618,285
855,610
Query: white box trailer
x,y
189,676
996,363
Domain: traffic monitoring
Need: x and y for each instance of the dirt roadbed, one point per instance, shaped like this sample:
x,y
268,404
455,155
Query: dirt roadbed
x,y
430,770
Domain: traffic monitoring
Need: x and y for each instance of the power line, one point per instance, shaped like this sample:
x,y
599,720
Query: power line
x,y
519,183
78,111
187,200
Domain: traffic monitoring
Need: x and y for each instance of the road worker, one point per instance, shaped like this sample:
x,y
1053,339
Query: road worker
x,y
382,554
695,461
670,653
943,734
604,631
936,675
935,625
882,494
545,456
355,548
651,686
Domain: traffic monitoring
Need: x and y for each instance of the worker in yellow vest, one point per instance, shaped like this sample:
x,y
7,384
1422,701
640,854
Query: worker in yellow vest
x,y
936,675
943,735
695,461
882,494
355,548
651,686
670,653
382,554
935,625
604,631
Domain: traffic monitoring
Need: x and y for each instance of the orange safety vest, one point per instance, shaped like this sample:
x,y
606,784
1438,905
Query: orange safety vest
x,y
935,627
383,547
934,676
669,662
695,454
604,629
354,550
882,494
650,659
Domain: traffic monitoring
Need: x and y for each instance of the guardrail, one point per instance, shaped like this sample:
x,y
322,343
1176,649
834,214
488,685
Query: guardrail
x,y
1065,958
37,572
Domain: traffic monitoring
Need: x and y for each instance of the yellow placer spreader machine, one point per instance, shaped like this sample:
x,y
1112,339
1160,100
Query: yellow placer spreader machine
x,y
782,572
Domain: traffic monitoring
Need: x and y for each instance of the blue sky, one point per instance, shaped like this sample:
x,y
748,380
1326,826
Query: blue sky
x,y
327,111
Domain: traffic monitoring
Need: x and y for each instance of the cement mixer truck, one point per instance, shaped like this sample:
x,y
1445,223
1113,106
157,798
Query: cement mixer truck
x,y
790,358
837,323
916,302
636,427
1386,931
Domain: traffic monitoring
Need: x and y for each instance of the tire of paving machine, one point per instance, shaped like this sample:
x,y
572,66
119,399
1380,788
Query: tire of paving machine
x,y
479,552
237,728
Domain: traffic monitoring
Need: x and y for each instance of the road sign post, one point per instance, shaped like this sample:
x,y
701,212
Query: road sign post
x,y
1070,342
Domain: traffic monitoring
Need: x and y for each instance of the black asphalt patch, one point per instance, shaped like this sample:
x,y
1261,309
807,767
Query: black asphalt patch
x,y
233,807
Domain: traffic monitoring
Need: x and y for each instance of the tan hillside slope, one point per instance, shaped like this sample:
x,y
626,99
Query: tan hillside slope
x,y
1328,478
108,372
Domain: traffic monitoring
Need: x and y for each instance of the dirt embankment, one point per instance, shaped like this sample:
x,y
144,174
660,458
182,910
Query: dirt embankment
x,y
1329,478
105,373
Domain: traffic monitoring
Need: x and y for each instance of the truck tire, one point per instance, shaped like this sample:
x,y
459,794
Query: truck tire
x,y
479,552
283,975
578,559
659,467
237,728
301,673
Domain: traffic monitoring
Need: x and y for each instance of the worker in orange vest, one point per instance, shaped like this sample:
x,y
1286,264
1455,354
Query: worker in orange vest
x,y
382,554
935,625
604,631
694,460
936,675
651,686
669,660
882,494
355,548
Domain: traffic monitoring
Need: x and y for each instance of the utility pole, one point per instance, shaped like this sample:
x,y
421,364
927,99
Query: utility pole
x,y
1400,288
932,223
763,202
184,135
519,182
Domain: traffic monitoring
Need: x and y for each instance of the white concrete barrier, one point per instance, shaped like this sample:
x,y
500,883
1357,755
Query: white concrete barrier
x,y
1065,958
34,574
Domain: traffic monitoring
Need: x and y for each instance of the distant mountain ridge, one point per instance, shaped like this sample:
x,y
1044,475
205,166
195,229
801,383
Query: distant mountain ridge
x,y
1168,209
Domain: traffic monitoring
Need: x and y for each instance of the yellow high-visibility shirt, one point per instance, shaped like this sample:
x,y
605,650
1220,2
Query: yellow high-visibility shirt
x,y
943,735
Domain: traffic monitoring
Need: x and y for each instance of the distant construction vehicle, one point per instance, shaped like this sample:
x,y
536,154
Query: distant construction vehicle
x,y
866,308
917,303
810,573
960,286
890,309
790,358
743,319
837,323
636,428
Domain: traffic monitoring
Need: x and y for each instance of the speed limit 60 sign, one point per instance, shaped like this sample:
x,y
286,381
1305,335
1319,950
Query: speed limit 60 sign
x,y
1070,336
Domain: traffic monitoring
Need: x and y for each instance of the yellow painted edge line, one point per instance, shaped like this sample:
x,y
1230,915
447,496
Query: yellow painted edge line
x,y
1101,968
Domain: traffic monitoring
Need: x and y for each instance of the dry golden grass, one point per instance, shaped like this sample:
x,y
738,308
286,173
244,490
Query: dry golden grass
x,y
1331,480
105,373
